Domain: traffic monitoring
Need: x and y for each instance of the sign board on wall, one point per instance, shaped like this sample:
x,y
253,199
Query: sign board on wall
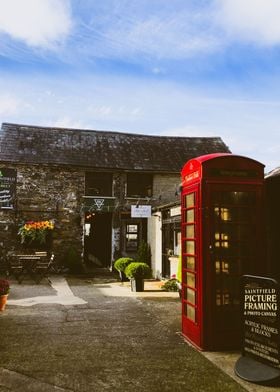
x,y
141,211
175,211
99,204
260,318
7,187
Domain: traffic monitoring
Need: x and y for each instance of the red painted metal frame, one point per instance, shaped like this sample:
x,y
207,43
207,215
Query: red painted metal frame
x,y
202,175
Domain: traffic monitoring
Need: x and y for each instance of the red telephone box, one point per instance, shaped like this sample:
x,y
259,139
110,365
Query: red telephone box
x,y
222,239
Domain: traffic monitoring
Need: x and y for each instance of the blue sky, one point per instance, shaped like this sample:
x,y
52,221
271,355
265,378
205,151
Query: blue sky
x,y
180,67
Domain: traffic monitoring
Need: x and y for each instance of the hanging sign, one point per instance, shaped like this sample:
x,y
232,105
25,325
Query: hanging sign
x,y
99,204
7,188
260,319
141,211
175,211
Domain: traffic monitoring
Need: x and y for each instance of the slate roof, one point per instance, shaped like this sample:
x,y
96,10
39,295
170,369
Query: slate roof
x,y
273,173
101,149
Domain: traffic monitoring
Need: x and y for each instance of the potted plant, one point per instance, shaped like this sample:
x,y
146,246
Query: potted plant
x,y
120,265
170,285
35,232
137,272
144,253
4,291
72,261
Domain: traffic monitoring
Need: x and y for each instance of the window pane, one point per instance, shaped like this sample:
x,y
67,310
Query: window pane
x,y
189,200
190,296
190,215
222,298
191,312
190,279
139,185
131,238
191,262
222,267
190,247
98,184
131,228
190,231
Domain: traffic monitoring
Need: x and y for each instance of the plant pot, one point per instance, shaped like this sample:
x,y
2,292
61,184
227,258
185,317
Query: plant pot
x,y
137,284
123,277
3,301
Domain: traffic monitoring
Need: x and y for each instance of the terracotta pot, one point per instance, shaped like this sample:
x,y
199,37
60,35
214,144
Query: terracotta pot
x,y
3,301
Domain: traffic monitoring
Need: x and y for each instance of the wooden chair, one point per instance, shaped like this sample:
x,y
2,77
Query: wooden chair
x,y
16,267
42,267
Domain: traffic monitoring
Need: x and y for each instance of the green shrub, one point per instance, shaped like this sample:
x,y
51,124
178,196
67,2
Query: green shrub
x,y
144,253
170,285
73,261
138,270
121,264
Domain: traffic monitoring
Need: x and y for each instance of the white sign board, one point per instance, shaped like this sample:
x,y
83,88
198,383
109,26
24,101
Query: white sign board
x,y
141,211
175,211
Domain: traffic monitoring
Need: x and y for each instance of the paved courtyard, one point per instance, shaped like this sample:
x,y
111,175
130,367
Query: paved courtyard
x,y
80,334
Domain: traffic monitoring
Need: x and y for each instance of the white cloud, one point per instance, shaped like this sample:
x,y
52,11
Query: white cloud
x,y
38,23
8,105
251,20
190,131
179,35
147,29
67,122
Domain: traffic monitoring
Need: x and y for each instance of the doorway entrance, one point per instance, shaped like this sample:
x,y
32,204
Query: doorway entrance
x,y
98,239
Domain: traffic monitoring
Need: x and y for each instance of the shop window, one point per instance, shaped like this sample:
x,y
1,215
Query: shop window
x,y
131,237
139,185
98,184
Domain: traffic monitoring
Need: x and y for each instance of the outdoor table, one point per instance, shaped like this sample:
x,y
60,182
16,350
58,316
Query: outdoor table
x,y
33,265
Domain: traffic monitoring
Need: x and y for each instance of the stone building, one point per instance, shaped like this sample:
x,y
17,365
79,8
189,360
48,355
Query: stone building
x,y
94,185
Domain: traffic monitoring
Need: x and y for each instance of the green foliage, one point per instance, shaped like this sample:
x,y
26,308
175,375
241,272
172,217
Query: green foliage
x,y
73,261
144,253
122,263
138,270
170,285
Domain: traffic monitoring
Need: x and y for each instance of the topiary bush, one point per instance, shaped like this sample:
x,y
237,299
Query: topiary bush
x,y
137,270
121,264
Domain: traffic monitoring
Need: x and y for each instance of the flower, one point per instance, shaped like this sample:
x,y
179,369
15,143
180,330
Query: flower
x,y
4,287
35,231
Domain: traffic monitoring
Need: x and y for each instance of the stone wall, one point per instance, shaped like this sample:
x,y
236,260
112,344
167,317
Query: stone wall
x,y
55,192
166,186
44,193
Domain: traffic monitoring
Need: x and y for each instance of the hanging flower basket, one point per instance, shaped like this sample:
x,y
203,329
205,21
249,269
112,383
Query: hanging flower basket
x,y
35,232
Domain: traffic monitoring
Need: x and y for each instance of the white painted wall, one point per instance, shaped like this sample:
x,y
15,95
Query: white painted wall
x,y
155,241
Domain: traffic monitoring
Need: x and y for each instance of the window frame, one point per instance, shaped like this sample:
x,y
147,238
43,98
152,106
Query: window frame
x,y
106,188
134,183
